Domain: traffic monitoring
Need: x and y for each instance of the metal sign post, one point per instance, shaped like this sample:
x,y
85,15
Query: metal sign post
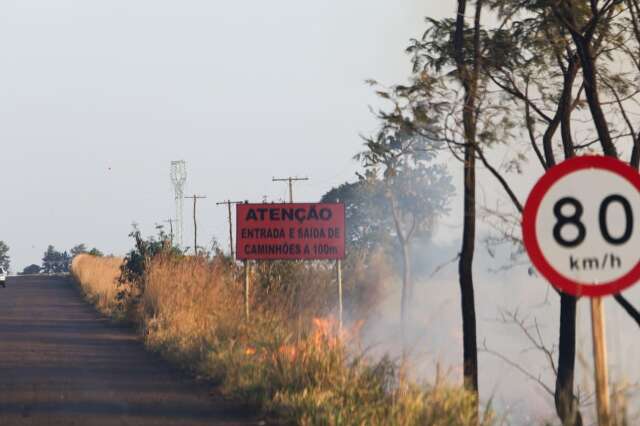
x,y
578,229
247,288
600,361
339,270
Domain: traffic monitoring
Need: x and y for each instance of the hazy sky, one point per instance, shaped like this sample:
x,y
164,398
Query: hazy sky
x,y
96,98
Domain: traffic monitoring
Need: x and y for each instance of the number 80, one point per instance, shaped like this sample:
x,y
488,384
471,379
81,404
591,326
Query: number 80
x,y
574,219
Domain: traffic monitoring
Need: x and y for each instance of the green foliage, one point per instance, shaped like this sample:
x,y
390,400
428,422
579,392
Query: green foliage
x,y
54,261
404,149
135,264
4,255
95,252
82,248
422,192
368,220
79,249
31,269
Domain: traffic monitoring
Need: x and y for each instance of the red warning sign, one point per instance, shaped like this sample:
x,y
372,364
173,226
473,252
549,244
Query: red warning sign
x,y
290,231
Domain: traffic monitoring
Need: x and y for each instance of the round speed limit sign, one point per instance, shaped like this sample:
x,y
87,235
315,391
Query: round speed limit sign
x,y
580,226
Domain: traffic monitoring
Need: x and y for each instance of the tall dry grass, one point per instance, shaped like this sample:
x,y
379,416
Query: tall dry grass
x,y
98,277
290,359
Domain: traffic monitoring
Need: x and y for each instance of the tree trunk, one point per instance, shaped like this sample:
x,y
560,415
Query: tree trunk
x,y
465,270
591,91
469,80
566,403
403,239
406,284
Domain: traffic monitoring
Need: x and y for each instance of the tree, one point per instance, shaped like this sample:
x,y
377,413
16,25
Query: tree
x,y
31,269
4,255
555,65
367,216
136,262
79,249
95,252
468,70
416,191
576,38
368,212
54,261
450,55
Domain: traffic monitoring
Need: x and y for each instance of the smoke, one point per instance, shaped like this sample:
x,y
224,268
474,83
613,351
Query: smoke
x,y
503,297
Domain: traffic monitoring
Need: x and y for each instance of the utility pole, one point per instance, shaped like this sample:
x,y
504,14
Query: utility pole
x,y
195,222
230,218
289,179
170,222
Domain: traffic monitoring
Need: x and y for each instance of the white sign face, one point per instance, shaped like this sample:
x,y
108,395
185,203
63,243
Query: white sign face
x,y
580,226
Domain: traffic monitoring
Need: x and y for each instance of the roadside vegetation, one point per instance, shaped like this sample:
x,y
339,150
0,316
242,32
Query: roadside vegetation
x,y
289,360
57,262
97,276
5,260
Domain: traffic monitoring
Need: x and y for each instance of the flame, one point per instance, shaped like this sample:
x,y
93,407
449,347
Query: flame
x,y
288,351
250,351
326,335
325,332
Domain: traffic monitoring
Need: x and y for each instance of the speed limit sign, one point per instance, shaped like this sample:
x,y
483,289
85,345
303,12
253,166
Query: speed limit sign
x,y
580,226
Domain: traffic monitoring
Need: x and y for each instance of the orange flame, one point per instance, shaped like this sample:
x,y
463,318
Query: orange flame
x,y
326,334
288,351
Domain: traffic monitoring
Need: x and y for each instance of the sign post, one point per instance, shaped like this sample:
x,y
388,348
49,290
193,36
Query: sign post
x,y
290,231
247,288
578,229
339,269
600,361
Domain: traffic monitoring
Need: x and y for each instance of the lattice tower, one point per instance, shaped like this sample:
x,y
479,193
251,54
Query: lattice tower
x,y
178,178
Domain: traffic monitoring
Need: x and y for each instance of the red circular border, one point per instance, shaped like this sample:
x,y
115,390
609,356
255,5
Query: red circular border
x,y
530,214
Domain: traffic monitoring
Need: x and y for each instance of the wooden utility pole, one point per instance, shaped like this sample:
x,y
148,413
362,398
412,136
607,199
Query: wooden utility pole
x,y
230,218
600,362
290,179
195,222
170,222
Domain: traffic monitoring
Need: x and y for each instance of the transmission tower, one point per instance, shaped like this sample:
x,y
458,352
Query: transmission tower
x,y
178,178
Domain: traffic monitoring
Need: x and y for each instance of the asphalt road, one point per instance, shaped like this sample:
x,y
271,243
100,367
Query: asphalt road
x,y
61,363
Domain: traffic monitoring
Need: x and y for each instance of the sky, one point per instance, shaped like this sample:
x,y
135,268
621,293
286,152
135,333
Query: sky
x,y
97,98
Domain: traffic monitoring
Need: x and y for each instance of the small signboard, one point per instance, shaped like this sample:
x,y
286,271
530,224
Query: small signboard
x,y
290,231
580,226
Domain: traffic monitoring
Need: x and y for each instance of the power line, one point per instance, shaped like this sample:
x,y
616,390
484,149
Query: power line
x,y
289,179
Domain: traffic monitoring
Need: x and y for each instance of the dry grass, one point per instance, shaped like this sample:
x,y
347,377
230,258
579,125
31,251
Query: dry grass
x,y
98,278
290,359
